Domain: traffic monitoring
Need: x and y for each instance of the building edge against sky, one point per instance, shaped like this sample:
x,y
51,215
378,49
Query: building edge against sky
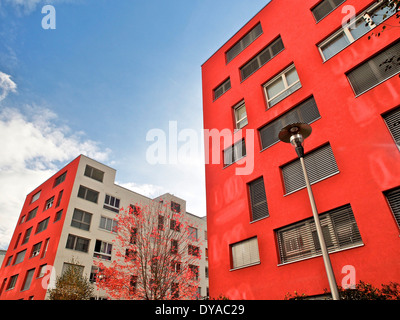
x,y
296,61
70,216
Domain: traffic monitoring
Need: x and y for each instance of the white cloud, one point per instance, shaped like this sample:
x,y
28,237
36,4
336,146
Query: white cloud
x,y
33,148
28,6
148,190
6,85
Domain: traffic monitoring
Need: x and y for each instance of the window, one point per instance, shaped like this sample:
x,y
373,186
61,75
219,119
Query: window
x,y
42,271
27,235
81,219
193,233
108,224
324,8
174,246
262,58
282,86
88,194
12,282
111,203
32,214
193,250
49,203
376,70
42,225
36,249
234,153
160,223
363,23
195,270
60,194
16,242
243,43
392,120
60,179
176,266
258,198
28,279
77,243
175,290
175,225
94,173
240,115
393,198
245,253
175,207
19,257
46,245
220,90
306,112
58,216
9,261
300,240
93,273
133,238
35,197
102,250
320,164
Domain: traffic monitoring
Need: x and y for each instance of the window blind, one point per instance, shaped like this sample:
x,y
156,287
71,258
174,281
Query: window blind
x,y
376,70
306,112
262,58
245,253
393,198
325,8
243,43
320,164
300,240
259,206
219,91
234,153
392,120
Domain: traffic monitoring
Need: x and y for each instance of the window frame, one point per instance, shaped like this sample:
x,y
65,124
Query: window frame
x,y
306,241
328,13
252,262
91,172
367,15
236,152
395,113
76,223
105,252
223,87
283,77
85,195
306,157
236,108
73,239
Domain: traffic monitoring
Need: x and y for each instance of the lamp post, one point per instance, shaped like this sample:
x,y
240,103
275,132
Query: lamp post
x,y
295,134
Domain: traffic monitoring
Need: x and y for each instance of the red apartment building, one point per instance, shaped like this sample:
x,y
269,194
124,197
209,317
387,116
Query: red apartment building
x,y
304,61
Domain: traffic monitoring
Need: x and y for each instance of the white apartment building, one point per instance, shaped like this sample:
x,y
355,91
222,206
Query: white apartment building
x,y
80,227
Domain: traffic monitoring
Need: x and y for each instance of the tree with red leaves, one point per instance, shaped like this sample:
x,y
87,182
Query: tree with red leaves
x,y
155,259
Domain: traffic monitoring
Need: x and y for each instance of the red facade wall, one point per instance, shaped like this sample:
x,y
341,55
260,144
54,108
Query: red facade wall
x,y
367,157
52,232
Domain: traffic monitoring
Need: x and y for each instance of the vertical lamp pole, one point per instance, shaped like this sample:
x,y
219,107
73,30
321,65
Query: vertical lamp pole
x,y
295,134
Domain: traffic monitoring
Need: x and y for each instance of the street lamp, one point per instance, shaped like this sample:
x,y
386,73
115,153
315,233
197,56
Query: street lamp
x,y
295,134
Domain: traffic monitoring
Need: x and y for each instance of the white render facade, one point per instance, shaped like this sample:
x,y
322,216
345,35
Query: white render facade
x,y
87,233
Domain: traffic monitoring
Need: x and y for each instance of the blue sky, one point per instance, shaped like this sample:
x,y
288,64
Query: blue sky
x,y
109,73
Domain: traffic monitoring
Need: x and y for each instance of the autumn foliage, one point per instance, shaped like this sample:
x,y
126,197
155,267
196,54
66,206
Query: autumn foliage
x,y
156,255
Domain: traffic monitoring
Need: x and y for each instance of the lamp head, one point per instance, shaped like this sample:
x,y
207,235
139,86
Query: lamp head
x,y
295,134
